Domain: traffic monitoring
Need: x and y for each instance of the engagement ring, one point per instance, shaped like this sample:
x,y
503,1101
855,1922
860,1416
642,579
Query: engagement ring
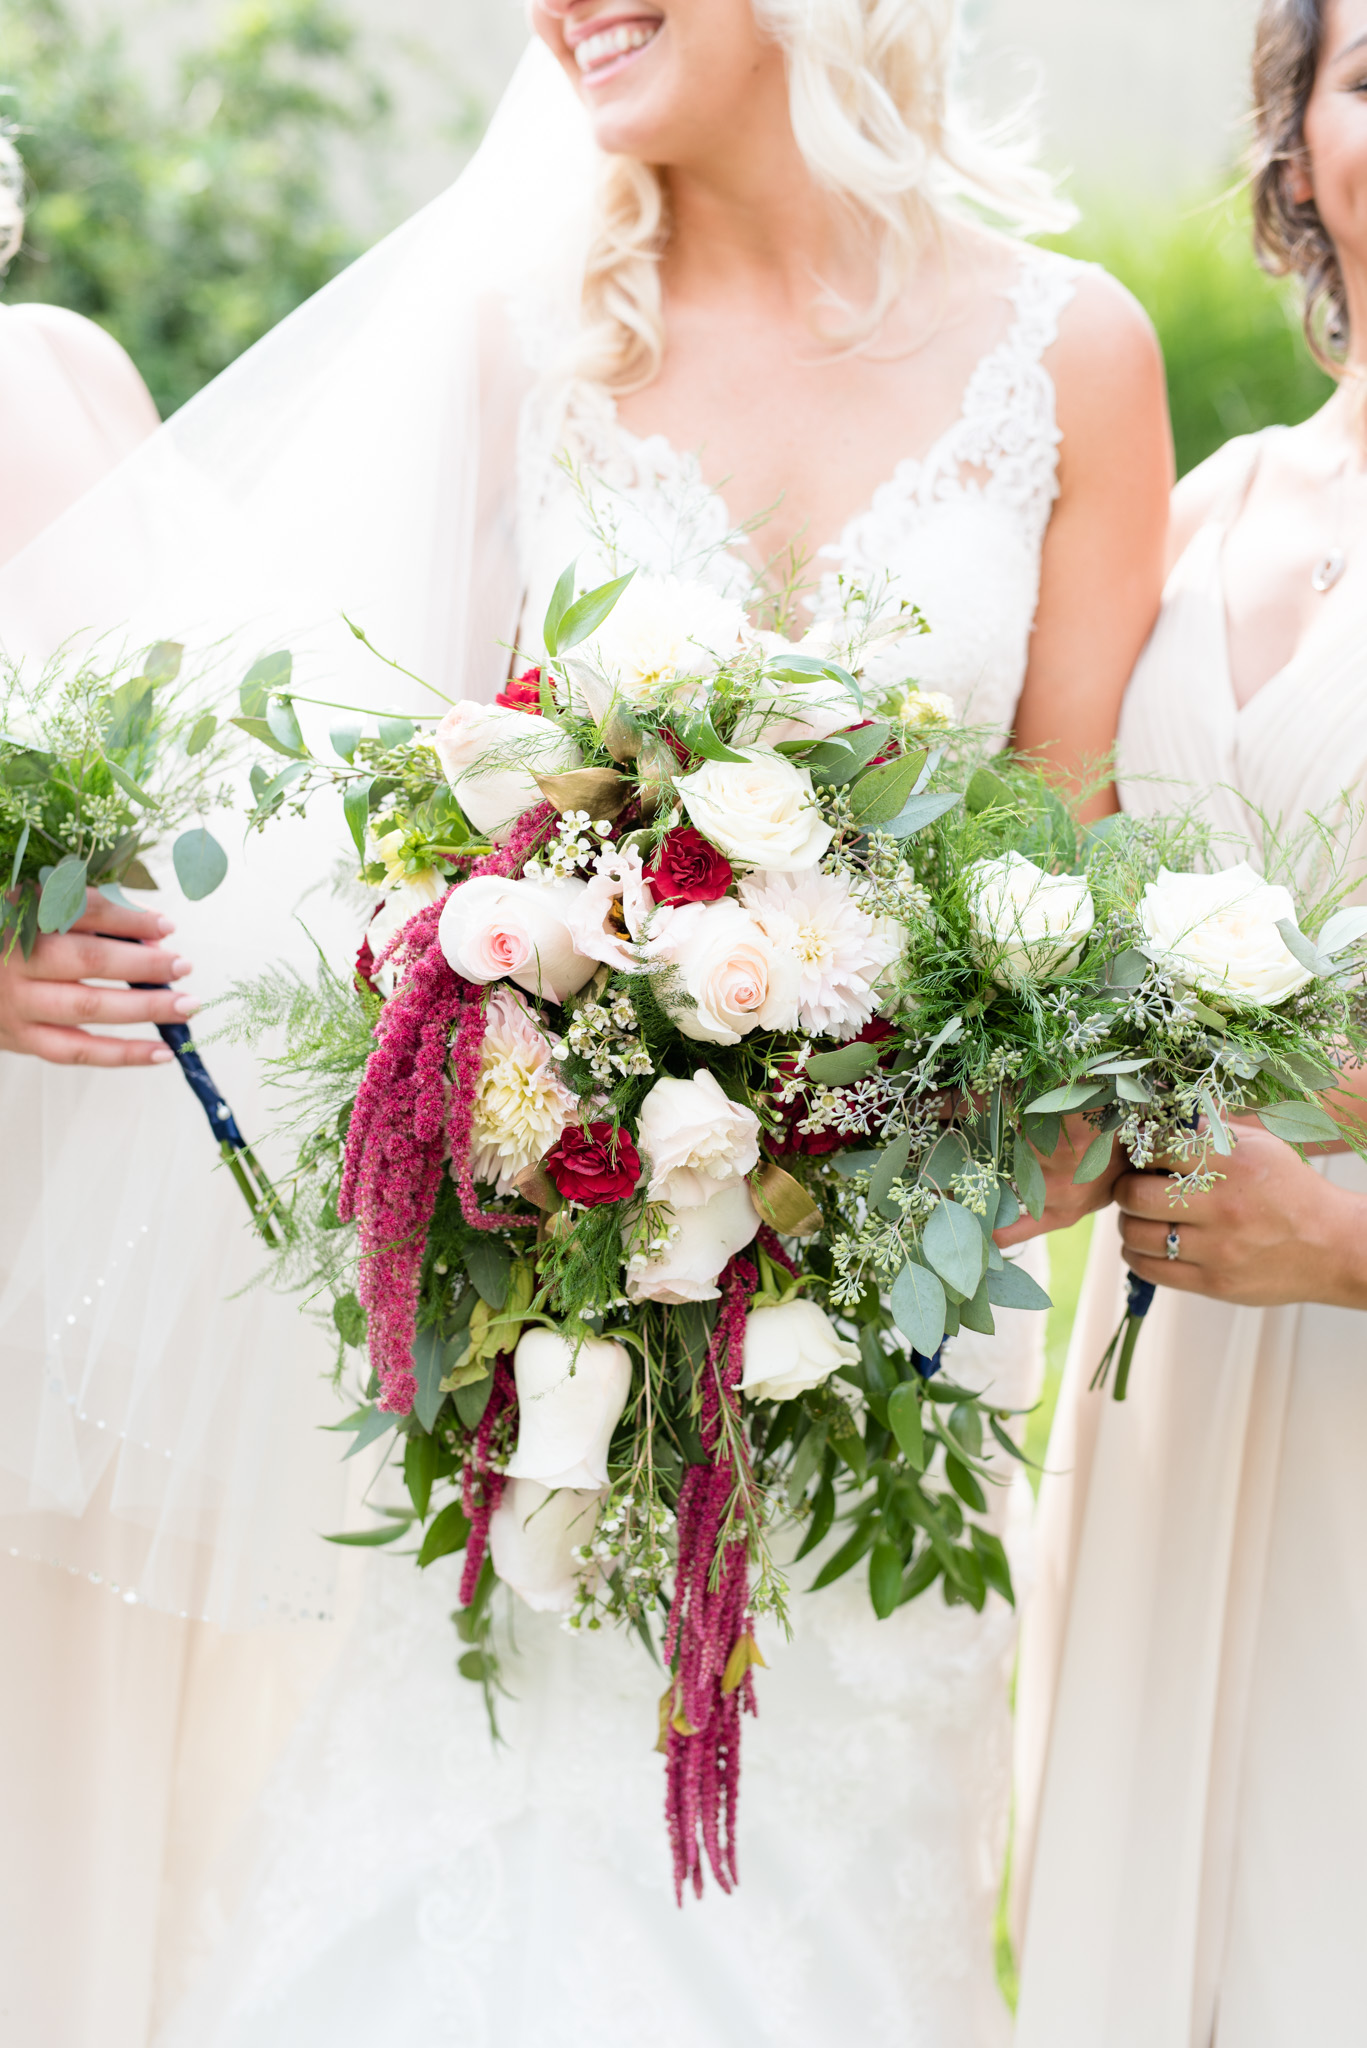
x,y
1172,1243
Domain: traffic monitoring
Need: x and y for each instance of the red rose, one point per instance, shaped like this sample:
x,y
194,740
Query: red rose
x,y
522,693
593,1166
688,869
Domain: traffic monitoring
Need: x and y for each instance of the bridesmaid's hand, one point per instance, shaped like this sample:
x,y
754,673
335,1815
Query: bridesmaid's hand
x,y
1271,1231
47,999
1066,1203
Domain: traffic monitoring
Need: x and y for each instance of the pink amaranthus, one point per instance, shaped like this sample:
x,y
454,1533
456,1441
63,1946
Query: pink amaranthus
x,y
707,1625
402,1123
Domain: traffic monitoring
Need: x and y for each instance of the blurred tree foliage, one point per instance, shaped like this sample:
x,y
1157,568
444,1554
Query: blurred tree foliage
x,y
191,220
1231,335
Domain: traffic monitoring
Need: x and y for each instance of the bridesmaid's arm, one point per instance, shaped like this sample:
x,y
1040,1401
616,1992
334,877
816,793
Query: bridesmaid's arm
x,y
1102,570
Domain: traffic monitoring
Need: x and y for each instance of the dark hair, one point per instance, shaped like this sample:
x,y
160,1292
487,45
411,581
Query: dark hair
x,y
1288,235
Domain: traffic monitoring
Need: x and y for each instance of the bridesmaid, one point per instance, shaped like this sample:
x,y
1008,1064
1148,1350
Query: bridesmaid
x,y
1193,1802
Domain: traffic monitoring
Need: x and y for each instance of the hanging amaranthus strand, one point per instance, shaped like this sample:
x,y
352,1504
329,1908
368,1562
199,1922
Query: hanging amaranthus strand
x,y
482,1485
396,1141
708,1623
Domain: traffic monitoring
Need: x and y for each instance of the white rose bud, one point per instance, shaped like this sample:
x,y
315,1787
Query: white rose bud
x,y
791,1349
1219,933
1028,924
568,1404
533,1537
513,744
760,811
491,928
695,1140
738,978
703,1240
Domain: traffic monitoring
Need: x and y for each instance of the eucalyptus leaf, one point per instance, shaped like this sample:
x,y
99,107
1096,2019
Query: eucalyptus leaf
x,y
562,597
838,1069
376,1425
201,732
890,1164
271,672
918,1308
21,848
127,784
1300,1123
949,1156
259,729
395,732
278,784
344,738
882,793
953,1244
200,863
588,612
161,663
63,897
1215,1125
976,1312
356,809
1303,949
1064,1101
1008,1208
1013,1287
987,791
920,811
1095,1159
281,718
839,758
428,1370
904,1418
1128,969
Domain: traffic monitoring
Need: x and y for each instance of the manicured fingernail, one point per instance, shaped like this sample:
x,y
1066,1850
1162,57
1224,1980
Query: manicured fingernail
x,y
185,1006
180,968
165,925
161,1056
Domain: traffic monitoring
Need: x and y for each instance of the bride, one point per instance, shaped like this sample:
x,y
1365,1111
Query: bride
x,y
789,354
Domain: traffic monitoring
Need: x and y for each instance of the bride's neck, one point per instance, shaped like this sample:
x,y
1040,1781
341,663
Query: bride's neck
x,y
755,227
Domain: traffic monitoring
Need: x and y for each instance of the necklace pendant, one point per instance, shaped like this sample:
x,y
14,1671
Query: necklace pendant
x,y
1327,570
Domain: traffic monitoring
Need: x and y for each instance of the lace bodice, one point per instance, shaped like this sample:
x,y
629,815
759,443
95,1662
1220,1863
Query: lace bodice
x,y
958,529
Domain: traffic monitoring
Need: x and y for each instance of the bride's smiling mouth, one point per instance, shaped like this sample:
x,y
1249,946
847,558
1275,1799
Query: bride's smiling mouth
x,y
607,49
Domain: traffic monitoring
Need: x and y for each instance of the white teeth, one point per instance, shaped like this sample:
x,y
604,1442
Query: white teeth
x,y
614,42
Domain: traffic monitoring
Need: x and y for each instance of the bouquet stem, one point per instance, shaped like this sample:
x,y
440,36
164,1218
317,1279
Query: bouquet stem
x,y
1138,1301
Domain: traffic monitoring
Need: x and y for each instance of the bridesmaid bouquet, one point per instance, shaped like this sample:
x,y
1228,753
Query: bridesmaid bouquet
x,y
98,766
705,1036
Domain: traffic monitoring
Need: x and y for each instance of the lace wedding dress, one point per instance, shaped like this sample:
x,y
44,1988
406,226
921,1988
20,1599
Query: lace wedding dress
x,y
418,1883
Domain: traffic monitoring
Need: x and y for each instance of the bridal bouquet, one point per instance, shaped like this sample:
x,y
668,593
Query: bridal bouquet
x,y
713,1016
98,765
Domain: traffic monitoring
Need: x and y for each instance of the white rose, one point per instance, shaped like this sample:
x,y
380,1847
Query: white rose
x,y
1219,933
491,927
718,955
661,629
568,1404
533,1537
701,1242
791,1349
810,710
695,1140
760,811
1027,923
513,743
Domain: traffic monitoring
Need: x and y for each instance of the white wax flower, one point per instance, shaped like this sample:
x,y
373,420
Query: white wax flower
x,y
695,1140
488,754
663,628
761,811
791,1349
533,1536
568,1404
521,1104
702,1241
1029,924
1219,933
737,978
491,928
840,949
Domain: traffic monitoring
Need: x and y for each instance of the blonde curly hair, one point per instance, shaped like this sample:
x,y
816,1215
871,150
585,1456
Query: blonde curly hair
x,y
11,200
873,113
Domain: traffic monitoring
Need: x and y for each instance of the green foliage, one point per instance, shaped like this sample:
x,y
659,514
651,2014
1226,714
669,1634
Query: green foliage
x,y
189,221
1231,335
